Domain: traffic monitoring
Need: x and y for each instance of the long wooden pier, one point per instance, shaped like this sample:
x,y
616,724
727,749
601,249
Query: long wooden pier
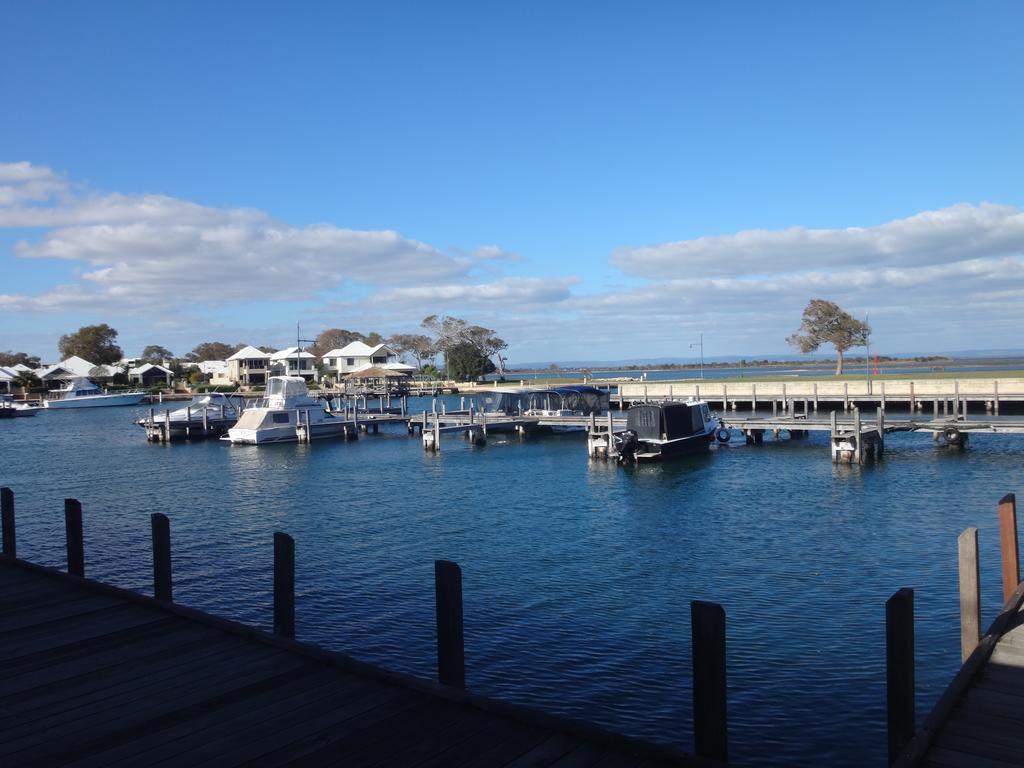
x,y
93,675
915,395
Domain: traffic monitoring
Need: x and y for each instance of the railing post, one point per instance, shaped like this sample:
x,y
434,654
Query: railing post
x,y
970,592
710,728
284,585
451,661
899,670
161,556
7,513
73,530
1008,544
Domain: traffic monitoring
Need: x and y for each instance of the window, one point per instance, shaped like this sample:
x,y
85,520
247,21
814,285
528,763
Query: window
x,y
350,361
379,359
281,418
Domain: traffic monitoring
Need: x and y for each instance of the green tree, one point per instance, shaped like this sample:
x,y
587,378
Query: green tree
x,y
212,350
450,332
156,354
467,363
27,381
825,322
372,339
333,338
9,358
419,346
95,343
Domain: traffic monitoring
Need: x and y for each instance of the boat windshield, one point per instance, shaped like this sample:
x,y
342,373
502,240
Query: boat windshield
x,y
286,387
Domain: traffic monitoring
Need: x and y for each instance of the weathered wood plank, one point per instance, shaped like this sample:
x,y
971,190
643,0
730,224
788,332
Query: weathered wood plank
x,y
92,676
953,759
231,733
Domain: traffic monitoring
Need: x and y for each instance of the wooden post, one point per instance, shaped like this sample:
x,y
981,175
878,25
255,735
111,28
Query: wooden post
x,y
883,394
284,585
858,449
913,400
710,728
753,398
725,398
846,396
7,514
73,530
815,397
970,592
451,661
995,397
1008,544
899,669
161,556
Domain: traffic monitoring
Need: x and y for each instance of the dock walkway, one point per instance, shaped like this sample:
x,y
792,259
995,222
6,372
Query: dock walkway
x,y
92,675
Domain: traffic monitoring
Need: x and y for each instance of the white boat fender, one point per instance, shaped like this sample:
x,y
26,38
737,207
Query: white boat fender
x,y
723,435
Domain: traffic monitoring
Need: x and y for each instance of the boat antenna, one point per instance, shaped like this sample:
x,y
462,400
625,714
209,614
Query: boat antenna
x,y
299,341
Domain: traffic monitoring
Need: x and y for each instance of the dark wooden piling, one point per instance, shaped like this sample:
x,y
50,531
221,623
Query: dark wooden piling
x,y
970,592
7,514
73,530
161,557
284,585
451,661
1008,544
710,729
899,670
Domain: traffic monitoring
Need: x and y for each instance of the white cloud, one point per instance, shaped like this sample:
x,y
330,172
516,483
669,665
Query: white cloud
x,y
27,183
953,234
516,291
155,251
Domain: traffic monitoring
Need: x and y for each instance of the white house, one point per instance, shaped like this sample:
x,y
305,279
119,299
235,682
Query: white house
x,y
293,362
73,368
7,377
358,356
248,366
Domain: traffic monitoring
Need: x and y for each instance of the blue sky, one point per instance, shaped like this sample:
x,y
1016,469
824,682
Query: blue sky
x,y
590,180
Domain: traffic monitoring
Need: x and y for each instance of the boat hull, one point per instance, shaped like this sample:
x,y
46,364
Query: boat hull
x,y
96,401
673,449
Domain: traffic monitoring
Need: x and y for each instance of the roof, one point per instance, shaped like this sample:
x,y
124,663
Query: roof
x,y
148,367
358,349
8,374
20,367
377,372
73,366
401,367
290,352
250,353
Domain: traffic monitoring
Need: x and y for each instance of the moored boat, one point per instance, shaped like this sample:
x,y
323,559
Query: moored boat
x,y
82,393
656,431
286,413
208,415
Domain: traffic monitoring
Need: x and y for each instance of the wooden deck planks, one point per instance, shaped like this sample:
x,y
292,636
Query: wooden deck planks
x,y
983,723
90,676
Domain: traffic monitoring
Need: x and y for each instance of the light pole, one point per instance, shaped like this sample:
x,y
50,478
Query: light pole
x,y
867,356
701,345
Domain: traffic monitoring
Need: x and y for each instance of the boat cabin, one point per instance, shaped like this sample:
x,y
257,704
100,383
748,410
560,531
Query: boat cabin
x,y
667,421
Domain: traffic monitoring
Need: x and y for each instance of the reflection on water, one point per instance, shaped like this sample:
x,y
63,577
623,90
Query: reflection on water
x,y
577,573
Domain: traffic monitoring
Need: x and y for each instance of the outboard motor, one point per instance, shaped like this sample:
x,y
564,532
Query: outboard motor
x,y
626,445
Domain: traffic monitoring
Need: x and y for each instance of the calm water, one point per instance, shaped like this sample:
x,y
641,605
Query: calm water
x,y
577,574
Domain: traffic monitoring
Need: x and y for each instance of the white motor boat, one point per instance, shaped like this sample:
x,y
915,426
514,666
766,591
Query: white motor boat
x,y
284,414
82,393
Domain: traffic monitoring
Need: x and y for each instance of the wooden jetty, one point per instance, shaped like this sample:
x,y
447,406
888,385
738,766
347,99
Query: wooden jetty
x,y
979,719
93,675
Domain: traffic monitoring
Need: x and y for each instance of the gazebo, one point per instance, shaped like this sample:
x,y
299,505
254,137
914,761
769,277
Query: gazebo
x,y
379,379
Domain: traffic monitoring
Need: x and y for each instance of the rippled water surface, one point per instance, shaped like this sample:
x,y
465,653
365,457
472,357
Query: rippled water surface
x,y
577,574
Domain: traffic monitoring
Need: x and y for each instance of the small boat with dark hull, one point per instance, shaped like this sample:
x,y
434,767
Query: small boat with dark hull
x,y
656,431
